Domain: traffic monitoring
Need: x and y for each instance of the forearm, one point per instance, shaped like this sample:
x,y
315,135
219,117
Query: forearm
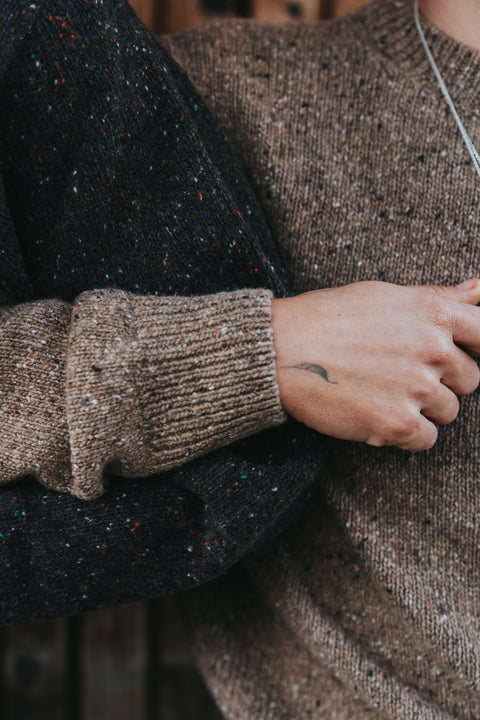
x,y
61,555
137,383
126,184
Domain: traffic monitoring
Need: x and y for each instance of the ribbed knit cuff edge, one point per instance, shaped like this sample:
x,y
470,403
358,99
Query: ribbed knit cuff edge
x,y
153,382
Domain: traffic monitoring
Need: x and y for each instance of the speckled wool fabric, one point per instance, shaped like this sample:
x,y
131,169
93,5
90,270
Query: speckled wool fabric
x,y
122,347
136,353
369,604
187,372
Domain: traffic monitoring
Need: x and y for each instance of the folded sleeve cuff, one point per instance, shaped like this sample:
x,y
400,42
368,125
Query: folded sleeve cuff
x,y
152,382
33,341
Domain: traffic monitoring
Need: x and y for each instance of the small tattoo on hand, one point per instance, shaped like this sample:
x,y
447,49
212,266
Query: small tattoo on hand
x,y
317,369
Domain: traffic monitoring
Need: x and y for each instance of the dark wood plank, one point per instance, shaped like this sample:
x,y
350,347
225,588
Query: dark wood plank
x,y
146,11
155,629
185,697
283,10
75,669
180,692
337,8
175,651
114,663
175,15
35,669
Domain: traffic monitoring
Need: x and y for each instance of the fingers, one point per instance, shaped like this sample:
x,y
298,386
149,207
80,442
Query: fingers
x,y
424,438
442,406
442,409
439,406
466,328
438,403
459,313
419,433
467,292
462,374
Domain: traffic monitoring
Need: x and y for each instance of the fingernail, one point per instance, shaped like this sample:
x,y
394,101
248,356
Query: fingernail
x,y
468,284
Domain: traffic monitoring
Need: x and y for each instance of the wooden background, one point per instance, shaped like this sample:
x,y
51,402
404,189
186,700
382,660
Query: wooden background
x,y
172,15
131,662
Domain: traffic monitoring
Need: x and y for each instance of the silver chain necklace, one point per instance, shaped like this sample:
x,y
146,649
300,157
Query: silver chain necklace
x,y
468,142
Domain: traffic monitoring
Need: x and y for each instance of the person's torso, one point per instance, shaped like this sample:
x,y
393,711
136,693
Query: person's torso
x,y
374,589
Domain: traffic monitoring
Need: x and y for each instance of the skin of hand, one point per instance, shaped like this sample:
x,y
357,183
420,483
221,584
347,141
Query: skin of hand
x,y
376,362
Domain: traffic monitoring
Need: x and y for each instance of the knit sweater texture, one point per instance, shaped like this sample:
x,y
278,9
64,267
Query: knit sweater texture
x,y
110,356
136,354
368,605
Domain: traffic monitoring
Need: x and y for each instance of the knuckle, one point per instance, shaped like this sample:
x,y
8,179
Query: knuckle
x,y
441,350
440,311
375,441
475,379
401,429
428,386
467,380
424,438
429,439
451,410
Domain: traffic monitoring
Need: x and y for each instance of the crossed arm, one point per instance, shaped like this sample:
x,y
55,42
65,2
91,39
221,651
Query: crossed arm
x,y
247,351
129,317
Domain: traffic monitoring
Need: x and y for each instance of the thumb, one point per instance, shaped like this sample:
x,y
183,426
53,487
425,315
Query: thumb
x,y
467,292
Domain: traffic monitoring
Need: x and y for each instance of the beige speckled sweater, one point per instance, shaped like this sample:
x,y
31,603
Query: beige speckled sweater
x,y
118,381
369,605
81,429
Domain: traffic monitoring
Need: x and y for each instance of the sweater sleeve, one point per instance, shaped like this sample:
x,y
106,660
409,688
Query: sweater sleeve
x,y
131,384
142,191
136,277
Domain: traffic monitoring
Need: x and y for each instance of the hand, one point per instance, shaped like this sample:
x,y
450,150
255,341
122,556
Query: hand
x,y
376,362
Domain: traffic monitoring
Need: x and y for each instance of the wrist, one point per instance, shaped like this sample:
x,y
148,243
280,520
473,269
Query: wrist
x,y
284,334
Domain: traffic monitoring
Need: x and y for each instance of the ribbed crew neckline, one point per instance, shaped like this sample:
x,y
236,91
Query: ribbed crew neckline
x,y
391,24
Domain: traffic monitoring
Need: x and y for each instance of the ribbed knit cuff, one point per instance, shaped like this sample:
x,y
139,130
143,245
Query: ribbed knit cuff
x,y
33,341
152,382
